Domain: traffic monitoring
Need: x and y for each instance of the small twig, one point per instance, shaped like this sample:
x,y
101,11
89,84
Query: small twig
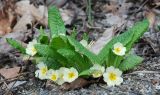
x,y
91,27
11,79
7,88
141,6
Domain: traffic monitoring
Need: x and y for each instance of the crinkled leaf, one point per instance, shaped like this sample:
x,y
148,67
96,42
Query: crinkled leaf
x,y
60,42
43,39
55,22
127,39
123,38
80,48
75,59
16,45
138,30
130,62
46,51
51,63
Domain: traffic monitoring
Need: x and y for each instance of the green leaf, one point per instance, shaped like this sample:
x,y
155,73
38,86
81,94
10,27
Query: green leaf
x,y
46,51
80,48
85,73
41,31
130,62
75,60
51,63
74,33
123,38
16,45
55,22
85,37
127,39
60,42
43,39
139,29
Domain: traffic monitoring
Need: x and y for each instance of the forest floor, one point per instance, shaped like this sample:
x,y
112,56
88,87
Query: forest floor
x,y
21,19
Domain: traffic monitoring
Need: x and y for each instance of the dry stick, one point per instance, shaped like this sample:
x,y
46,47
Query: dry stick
x,y
91,27
138,9
124,23
141,6
9,89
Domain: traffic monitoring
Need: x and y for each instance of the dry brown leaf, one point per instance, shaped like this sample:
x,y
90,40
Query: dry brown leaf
x,y
99,44
7,16
114,20
29,14
112,7
67,16
10,73
5,26
6,20
151,17
78,83
40,15
23,22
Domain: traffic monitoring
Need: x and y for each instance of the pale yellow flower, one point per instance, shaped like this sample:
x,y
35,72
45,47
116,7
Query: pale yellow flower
x,y
42,71
112,76
70,74
30,50
97,70
119,49
61,72
52,75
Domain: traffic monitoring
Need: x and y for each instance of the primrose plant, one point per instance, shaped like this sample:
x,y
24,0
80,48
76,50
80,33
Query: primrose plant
x,y
61,58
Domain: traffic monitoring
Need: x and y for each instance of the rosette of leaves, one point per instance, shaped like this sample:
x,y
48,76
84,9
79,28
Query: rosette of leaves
x,y
61,50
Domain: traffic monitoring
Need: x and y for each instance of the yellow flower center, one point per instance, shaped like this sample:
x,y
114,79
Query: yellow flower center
x,y
71,75
33,49
97,73
54,77
118,49
44,70
112,76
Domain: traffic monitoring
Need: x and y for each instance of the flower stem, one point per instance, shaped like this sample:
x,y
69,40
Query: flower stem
x,y
115,61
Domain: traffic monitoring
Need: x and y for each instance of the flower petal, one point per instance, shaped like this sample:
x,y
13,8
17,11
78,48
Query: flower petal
x,y
41,65
112,76
70,74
